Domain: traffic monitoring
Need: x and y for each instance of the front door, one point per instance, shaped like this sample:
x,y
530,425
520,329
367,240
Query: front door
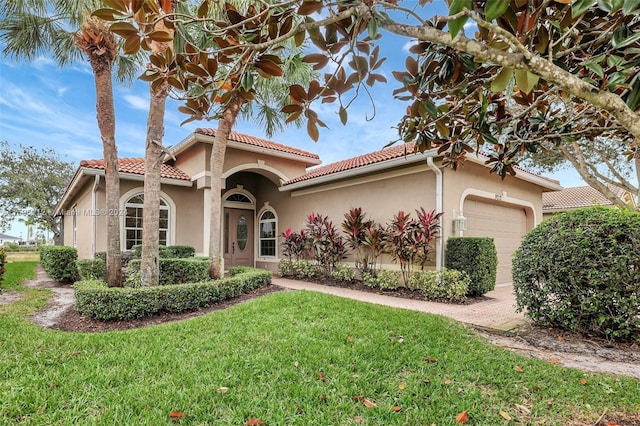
x,y
238,237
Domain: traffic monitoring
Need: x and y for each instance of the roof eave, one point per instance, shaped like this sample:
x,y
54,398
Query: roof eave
x,y
521,174
88,171
370,168
193,138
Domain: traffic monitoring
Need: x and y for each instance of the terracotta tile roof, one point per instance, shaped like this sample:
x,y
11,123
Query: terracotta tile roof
x,y
576,197
262,143
136,166
390,153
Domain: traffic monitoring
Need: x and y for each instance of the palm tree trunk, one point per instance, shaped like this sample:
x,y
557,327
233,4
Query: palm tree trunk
x,y
100,46
217,162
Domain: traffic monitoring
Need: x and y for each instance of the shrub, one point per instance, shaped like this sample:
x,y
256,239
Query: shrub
x,y
95,300
581,271
325,244
293,244
125,257
92,269
305,269
167,252
343,272
60,262
285,268
180,252
447,284
410,241
384,279
3,261
175,270
477,257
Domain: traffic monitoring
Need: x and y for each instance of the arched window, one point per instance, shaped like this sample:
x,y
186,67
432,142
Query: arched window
x,y
267,236
133,221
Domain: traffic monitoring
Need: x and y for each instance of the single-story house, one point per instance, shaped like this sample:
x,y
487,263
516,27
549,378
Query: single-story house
x,y
579,197
269,187
6,239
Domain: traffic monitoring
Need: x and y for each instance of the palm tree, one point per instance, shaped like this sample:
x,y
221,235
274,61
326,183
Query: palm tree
x,y
29,29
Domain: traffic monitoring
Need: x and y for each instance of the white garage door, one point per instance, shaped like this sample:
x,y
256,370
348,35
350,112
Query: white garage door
x,y
505,224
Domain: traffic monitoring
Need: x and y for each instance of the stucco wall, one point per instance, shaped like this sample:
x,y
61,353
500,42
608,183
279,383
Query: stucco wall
x,y
82,209
380,195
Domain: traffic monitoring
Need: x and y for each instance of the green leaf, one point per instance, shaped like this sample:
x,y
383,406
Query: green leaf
x,y
620,38
526,81
457,24
343,115
633,100
631,7
581,6
373,28
495,8
501,81
595,68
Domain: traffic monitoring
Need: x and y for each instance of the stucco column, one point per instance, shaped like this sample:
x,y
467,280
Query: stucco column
x,y
206,228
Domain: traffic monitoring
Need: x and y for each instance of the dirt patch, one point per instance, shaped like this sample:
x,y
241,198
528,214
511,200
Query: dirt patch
x,y
571,349
6,298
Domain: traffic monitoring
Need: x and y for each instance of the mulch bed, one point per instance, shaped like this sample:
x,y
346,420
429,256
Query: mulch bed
x,y
401,292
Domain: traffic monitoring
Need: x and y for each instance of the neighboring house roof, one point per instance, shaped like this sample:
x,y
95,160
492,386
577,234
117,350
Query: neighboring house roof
x,y
136,166
258,142
577,197
8,237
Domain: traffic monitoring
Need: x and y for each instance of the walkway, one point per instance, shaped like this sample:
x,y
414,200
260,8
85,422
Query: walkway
x,y
497,313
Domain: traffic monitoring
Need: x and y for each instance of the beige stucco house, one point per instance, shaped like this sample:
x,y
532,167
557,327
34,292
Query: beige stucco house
x,y
269,187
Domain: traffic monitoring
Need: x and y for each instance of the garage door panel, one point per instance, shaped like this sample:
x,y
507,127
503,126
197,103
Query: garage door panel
x,y
505,224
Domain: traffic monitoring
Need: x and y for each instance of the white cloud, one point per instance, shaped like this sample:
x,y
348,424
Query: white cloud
x,y
137,102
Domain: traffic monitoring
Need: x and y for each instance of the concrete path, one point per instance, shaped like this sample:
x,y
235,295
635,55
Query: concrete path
x,y
496,313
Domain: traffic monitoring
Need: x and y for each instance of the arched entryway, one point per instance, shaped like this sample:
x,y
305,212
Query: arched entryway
x,y
238,228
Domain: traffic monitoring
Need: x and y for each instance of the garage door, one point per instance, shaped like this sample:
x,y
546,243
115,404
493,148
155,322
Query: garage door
x,y
505,224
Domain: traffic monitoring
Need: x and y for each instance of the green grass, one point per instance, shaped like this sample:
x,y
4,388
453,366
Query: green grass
x,y
288,358
16,273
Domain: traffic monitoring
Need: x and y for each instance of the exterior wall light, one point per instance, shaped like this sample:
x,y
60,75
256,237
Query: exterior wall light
x,y
459,223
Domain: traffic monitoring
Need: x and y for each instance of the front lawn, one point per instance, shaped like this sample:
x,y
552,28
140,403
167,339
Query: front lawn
x,y
17,272
288,358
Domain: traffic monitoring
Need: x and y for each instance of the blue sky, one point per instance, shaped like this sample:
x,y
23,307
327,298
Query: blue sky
x,y
44,106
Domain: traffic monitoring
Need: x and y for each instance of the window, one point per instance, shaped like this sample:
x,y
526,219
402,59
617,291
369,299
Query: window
x,y
133,221
268,233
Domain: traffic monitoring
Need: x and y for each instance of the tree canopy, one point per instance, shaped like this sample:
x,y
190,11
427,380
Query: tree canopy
x,y
534,71
31,182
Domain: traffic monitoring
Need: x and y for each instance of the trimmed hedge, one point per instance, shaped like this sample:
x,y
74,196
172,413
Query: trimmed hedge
x,y
581,271
3,261
95,300
125,257
477,257
60,262
167,252
92,269
177,270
